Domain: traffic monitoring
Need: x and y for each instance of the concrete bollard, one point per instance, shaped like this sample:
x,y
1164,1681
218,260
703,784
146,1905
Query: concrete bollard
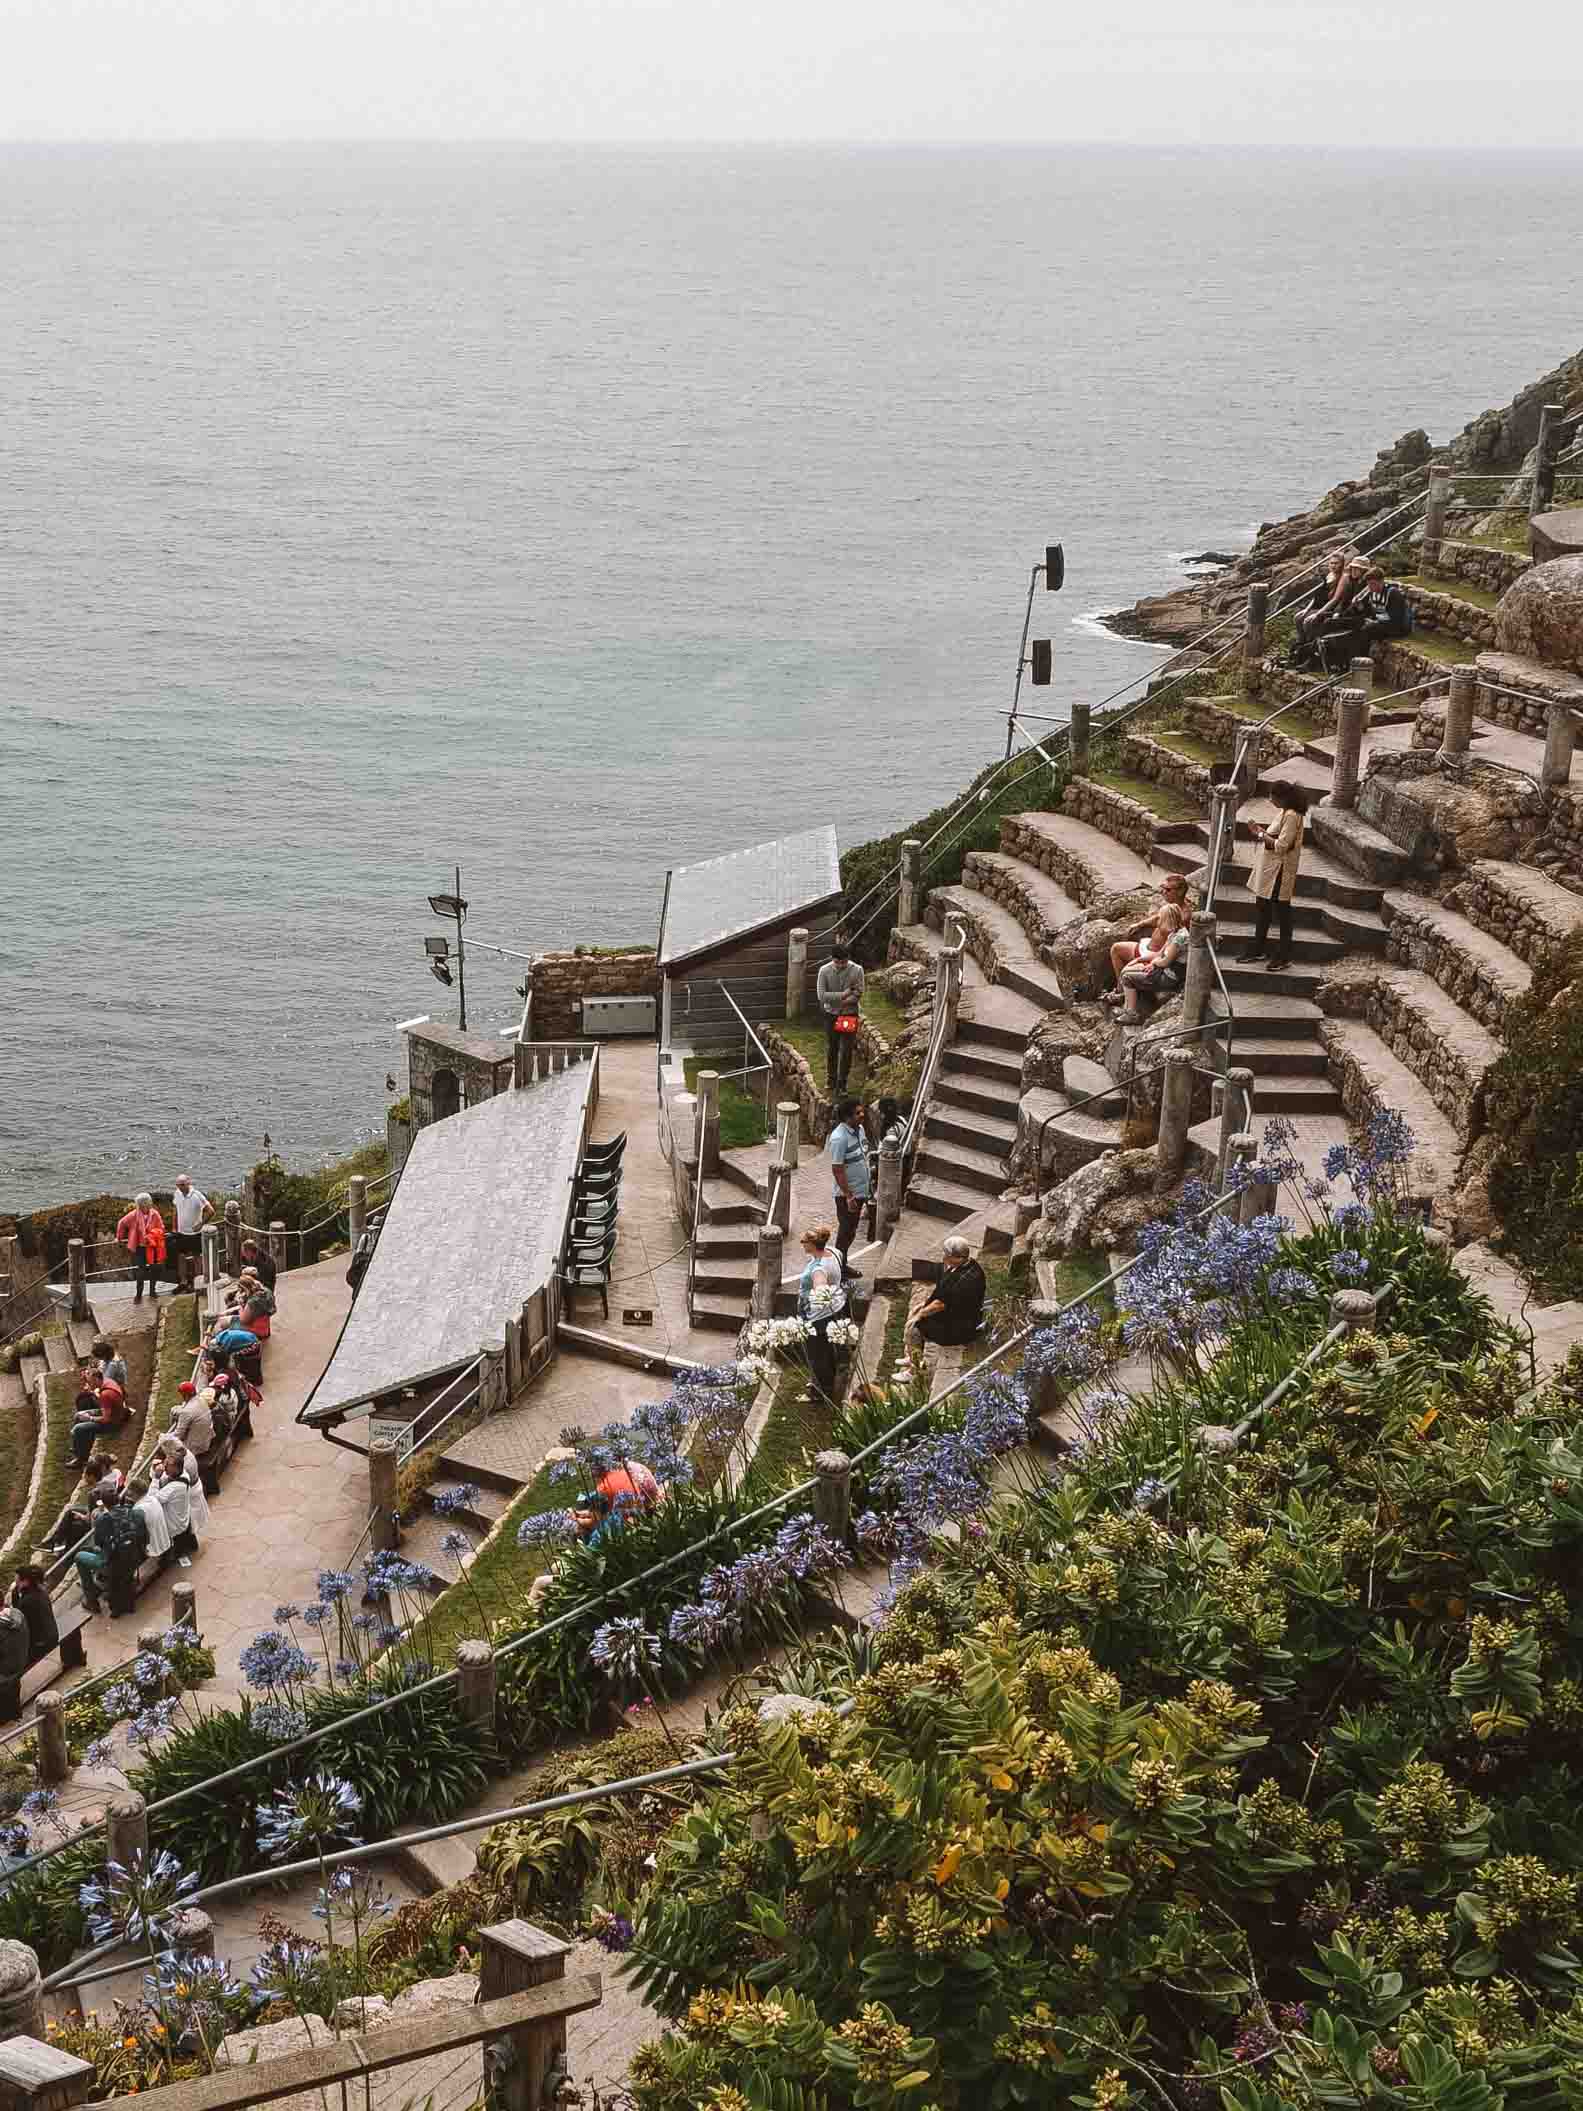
x,y
1459,711
796,972
1045,1312
126,1829
1363,681
53,1761
1226,800
1435,515
77,1275
277,1241
1200,977
788,1131
1351,711
1236,1111
1560,739
1176,1113
233,1239
769,1268
356,1208
781,1194
909,902
1079,732
1253,637
706,1131
382,1465
1352,1309
184,1607
190,1932
832,1495
1541,497
475,1683
1244,1154
21,1995
888,1188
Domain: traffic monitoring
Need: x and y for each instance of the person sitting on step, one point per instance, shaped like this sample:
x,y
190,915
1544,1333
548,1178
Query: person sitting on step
x,y
30,1596
1171,919
953,1309
120,1541
1159,976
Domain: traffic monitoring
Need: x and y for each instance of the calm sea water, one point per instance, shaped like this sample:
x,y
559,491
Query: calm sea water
x,y
574,513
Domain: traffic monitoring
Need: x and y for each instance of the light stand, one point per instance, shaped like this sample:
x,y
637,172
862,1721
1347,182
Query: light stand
x,y
1042,657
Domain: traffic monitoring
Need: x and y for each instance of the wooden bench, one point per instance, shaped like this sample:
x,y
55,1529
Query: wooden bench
x,y
68,1655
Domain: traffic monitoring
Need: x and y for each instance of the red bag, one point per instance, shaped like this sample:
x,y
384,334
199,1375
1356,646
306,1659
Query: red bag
x,y
846,1023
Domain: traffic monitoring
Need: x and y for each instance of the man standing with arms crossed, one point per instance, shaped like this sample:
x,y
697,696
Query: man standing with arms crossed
x,y
193,1209
840,988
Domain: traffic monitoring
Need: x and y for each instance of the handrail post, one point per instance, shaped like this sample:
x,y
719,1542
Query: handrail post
x,y
1354,1310
77,1272
1077,734
796,972
780,1180
1236,1111
1200,977
277,1241
1459,711
126,1830
1363,680
888,1202
832,1495
1222,842
1560,740
1253,638
768,1269
1176,1111
522,2071
706,1134
382,1464
909,900
1244,1150
475,1683
951,974
1541,497
356,1208
788,1131
1351,709
1435,514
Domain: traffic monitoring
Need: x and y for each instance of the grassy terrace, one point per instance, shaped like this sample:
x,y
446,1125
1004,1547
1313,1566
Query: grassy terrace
x,y
1295,724
1454,590
1192,747
1161,800
1444,652
742,1099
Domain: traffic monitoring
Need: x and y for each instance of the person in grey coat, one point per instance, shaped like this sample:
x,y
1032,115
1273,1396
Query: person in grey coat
x,y
840,989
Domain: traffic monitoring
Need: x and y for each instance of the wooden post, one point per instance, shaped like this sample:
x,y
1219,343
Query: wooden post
x,y
788,1131
184,1607
1200,976
382,1494
1225,800
909,903
53,1762
126,1829
520,2067
1244,1150
1351,709
35,2076
1560,739
888,1197
1459,711
1176,1109
77,1273
1236,1110
1435,515
1542,495
706,1138
356,1208
1253,637
233,1239
1043,1313
475,1683
796,972
1352,1309
768,1270
1078,732
277,1241
832,1495
494,1392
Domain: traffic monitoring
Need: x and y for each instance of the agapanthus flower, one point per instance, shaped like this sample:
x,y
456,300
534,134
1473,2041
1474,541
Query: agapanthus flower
x,y
1348,1265
134,1902
285,1614
271,1661
624,1648
452,1500
152,1723
315,1814
334,1584
550,1529
456,1543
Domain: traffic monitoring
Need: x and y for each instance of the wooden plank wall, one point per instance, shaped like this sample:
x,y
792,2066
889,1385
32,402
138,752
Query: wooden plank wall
x,y
755,974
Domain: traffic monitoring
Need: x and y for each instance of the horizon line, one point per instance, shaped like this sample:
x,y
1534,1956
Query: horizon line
x,y
780,144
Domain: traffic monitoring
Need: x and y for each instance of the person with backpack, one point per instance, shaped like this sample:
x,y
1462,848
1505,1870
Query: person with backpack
x,y
120,1541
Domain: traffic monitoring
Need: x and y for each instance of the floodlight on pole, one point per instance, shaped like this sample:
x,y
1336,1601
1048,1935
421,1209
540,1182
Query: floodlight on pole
x,y
438,949
1053,572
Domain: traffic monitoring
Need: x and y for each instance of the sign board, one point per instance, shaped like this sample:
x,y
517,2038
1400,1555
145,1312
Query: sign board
x,y
638,1316
384,1429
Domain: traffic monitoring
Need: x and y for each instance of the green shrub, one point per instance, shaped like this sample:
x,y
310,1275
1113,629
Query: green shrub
x,y
1534,1096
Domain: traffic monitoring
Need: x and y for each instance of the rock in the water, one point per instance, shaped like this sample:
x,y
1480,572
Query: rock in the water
x,y
1542,615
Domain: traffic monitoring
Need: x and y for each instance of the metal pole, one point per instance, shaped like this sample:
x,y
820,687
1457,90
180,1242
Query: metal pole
x,y
461,955
1022,655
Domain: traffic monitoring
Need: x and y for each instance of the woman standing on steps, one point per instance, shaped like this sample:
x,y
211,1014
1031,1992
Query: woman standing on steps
x,y
1274,879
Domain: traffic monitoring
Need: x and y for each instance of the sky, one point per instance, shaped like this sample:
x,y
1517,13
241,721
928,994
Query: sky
x,y
1433,73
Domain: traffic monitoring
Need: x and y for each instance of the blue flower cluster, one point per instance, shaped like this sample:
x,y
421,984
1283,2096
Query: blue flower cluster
x,y
314,1815
737,1595
452,1500
1376,1165
134,1903
543,1534
272,1663
1195,1280
624,1648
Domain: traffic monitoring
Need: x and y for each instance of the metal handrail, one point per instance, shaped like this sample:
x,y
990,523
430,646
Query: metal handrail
x,y
932,1054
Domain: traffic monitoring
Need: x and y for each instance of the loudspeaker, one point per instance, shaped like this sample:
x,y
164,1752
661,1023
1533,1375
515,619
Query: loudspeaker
x,y
1041,661
1054,568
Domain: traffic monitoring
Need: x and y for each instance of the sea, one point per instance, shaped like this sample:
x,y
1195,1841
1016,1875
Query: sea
x,y
568,514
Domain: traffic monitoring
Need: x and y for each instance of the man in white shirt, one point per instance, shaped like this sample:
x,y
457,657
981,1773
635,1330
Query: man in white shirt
x,y
193,1208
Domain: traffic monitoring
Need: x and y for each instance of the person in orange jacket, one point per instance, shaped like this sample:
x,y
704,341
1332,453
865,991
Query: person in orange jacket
x,y
142,1232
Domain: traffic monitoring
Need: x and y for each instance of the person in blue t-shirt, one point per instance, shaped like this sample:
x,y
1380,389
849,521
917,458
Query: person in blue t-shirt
x,y
848,1153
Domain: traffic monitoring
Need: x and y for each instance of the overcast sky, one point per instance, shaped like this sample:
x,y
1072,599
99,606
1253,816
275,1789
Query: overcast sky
x,y
1348,72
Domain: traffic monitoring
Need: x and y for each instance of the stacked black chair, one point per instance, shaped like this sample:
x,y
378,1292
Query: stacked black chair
x,y
596,1188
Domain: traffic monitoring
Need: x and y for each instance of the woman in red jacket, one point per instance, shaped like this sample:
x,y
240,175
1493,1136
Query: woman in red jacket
x,y
142,1232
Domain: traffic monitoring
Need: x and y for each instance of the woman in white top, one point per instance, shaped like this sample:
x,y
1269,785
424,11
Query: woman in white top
x,y
821,1298
152,1511
178,1460
1274,876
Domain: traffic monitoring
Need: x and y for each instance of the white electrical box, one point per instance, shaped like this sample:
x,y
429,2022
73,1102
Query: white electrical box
x,y
620,1015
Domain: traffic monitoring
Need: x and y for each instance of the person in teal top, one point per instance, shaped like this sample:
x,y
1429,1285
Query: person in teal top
x,y
595,1519
847,1151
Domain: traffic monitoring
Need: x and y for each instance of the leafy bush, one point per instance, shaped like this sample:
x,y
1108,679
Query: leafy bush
x,y
1534,1095
212,1832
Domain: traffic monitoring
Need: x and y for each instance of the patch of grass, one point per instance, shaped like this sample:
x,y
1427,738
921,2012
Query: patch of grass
x,y
1162,800
741,1110
894,1343
1444,652
1078,1272
1509,534
794,1426
1192,746
59,1477
1295,724
1454,590
18,1434
498,1579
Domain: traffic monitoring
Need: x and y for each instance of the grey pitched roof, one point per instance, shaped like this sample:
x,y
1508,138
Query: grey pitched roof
x,y
727,897
473,1228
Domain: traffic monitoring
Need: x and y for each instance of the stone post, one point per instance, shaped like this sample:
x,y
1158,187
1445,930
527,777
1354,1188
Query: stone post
x,y
1227,798
1560,739
277,1241
211,1255
769,1269
1351,710
1176,1113
888,1187
191,1932
53,1762
184,1607
126,1829
1435,515
706,1132
1459,711
356,1208
1363,681
475,1683
77,1274
517,1957
1352,1309
1045,1312
1078,732
1253,637
832,1495
951,972
909,902
1200,977
382,1495
796,972
788,1131
21,2001
34,2075
1244,1151
150,1643
494,1387
1236,1111
1542,495
233,1239
780,1195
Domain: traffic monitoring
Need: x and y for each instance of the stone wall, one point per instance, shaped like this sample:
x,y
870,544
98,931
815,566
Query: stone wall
x,y
1416,939
560,981
1445,811
1113,813
1493,570
1559,851
1448,617
1496,899
1147,758
1454,1081
1222,729
794,1078
1006,888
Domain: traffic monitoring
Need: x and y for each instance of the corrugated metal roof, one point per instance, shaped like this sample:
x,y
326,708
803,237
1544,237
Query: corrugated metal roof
x,y
729,896
473,1228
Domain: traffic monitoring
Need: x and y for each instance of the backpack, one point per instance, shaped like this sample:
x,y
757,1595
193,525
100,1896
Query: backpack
x,y
1400,611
